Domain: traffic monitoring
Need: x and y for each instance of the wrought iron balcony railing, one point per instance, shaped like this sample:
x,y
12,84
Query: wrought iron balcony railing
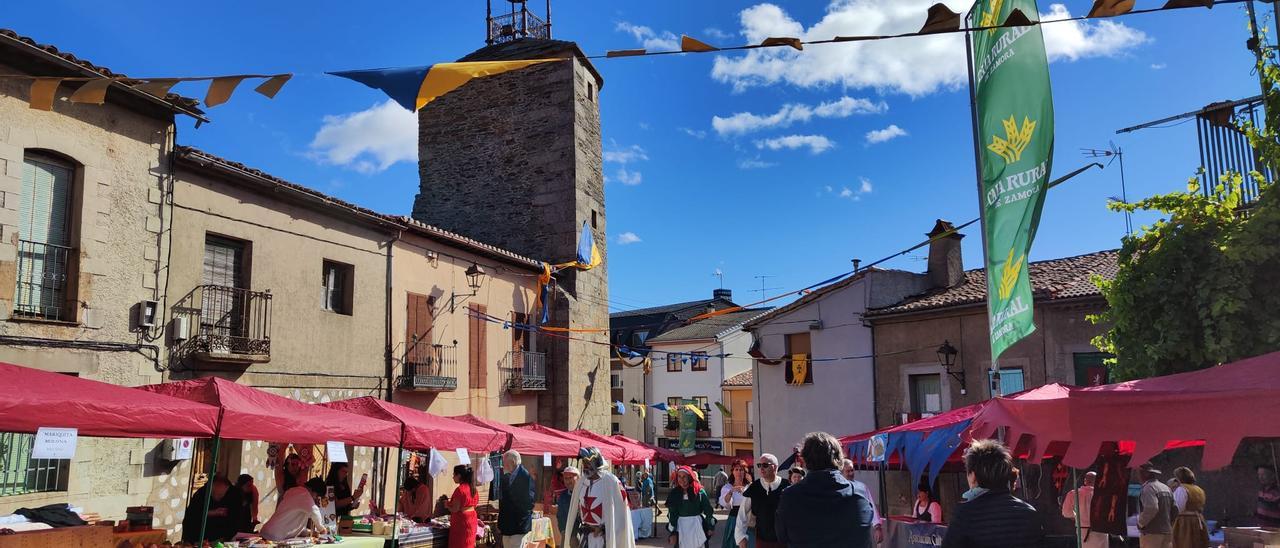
x,y
431,368
43,272
517,25
737,429
525,371
228,324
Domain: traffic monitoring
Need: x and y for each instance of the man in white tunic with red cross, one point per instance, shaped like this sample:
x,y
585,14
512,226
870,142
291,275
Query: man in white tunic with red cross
x,y
598,514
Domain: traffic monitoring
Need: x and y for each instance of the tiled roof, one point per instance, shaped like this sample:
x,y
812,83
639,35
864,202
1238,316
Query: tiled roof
x,y
533,48
1064,278
741,379
810,297
185,105
711,327
204,159
663,309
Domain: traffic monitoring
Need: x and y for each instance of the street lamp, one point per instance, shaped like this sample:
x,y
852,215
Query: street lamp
x,y
947,359
475,276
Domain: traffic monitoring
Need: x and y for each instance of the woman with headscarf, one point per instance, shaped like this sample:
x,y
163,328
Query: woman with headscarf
x,y
1189,528
731,498
691,520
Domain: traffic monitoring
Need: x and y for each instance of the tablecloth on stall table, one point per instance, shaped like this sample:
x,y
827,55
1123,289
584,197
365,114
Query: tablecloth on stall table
x,y
642,522
360,542
539,532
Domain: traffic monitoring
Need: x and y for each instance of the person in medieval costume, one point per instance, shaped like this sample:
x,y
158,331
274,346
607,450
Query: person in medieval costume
x,y
598,513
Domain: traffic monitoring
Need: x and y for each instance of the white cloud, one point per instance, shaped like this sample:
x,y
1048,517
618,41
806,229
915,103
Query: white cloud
x,y
846,193
1075,40
865,187
882,135
625,155
644,125
368,141
628,238
914,66
650,40
828,188
817,144
629,178
695,133
1158,66
713,32
754,163
747,122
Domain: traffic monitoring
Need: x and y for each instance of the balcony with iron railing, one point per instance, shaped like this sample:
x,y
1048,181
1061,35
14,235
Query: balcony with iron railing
x,y
227,325
43,275
429,368
524,371
737,429
702,428
516,25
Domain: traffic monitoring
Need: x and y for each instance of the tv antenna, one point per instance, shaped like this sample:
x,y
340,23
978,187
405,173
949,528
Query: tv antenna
x,y
764,279
1115,153
719,274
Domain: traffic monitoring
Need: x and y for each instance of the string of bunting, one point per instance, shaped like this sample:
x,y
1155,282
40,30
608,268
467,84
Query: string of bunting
x,y
93,90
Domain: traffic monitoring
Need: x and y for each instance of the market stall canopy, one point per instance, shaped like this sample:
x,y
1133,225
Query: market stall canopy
x,y
526,441
1220,405
610,452
422,430
704,459
252,414
659,453
32,398
631,453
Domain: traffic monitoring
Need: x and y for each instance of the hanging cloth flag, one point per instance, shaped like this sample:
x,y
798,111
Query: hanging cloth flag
x,y
622,407
544,293
693,44
220,90
1110,8
783,41
940,19
640,409
588,252
436,465
659,406
624,53
93,92
1014,105
723,410
694,409
414,87
798,371
43,91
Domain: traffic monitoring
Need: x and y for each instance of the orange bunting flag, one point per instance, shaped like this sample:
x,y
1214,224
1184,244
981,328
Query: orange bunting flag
x,y
1110,8
1175,4
941,19
693,44
43,91
624,53
1018,19
783,41
220,90
93,92
159,88
272,86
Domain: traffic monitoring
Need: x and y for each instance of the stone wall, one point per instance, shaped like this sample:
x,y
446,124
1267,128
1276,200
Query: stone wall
x,y
119,233
514,160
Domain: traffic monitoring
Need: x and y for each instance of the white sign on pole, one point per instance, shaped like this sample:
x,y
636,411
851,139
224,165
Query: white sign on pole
x,y
463,456
54,443
336,450
546,459
646,464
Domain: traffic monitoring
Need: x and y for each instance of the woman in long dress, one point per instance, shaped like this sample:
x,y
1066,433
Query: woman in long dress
x,y
689,511
462,509
731,498
1189,528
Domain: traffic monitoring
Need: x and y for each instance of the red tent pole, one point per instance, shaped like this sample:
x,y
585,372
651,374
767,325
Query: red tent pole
x,y
208,492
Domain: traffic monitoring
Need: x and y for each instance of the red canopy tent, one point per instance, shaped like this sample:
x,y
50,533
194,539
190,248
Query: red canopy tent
x,y
703,459
526,441
252,414
659,453
422,430
632,453
31,398
1219,405
612,453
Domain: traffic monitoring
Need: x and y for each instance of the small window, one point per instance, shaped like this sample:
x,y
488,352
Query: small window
x,y
591,92
698,361
616,429
673,362
926,393
336,284
615,381
1011,381
595,219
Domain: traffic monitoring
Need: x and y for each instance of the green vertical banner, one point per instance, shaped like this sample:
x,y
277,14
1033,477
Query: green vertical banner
x,y
1015,131
688,428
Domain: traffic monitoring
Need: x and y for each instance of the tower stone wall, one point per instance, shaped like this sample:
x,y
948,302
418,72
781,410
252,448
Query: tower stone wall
x,y
514,160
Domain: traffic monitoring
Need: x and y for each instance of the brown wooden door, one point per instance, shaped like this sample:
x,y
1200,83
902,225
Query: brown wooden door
x,y
477,358
418,323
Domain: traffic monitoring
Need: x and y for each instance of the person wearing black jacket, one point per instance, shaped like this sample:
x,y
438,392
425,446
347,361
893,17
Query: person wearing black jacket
x,y
991,517
225,512
515,505
823,510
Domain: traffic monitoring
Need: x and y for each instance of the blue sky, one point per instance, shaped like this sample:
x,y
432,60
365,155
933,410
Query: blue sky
x,y
803,170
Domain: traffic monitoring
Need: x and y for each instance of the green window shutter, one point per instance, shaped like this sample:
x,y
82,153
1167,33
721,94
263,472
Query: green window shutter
x,y
45,207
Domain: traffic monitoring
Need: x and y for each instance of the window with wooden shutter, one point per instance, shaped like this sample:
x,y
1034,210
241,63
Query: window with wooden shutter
x,y
417,337
476,348
45,233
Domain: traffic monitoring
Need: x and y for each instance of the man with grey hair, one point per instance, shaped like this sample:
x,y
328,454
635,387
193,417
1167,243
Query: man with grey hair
x,y
760,505
848,470
515,504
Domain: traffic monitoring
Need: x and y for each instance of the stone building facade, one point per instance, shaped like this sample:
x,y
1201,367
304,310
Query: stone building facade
x,y
515,160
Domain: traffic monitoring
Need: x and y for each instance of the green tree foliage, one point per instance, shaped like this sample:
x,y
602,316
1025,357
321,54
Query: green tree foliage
x,y
1201,286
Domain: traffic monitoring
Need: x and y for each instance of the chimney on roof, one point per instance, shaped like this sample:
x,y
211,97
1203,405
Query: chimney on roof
x,y
946,265
722,293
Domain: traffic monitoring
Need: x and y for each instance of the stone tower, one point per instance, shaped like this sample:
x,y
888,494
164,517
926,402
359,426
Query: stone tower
x,y
514,160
